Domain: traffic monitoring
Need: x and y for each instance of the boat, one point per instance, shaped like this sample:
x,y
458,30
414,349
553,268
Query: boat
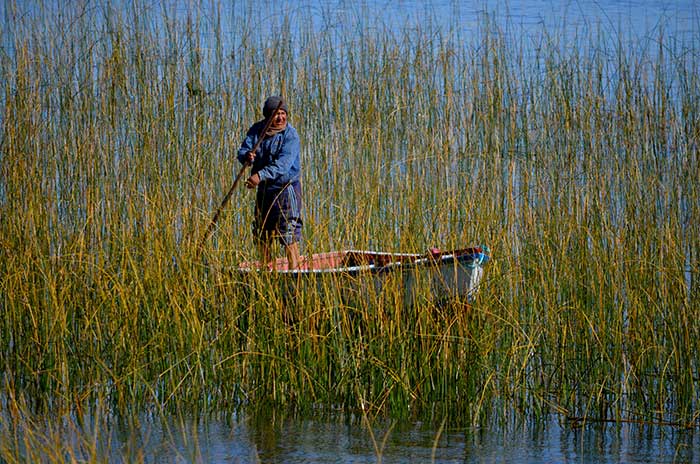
x,y
437,274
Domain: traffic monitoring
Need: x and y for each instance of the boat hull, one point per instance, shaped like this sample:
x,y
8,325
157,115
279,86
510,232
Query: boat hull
x,y
363,277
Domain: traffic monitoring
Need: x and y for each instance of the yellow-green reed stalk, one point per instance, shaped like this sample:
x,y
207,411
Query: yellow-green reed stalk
x,y
575,167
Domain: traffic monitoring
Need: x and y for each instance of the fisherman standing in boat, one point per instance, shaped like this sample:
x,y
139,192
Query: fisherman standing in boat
x,y
276,168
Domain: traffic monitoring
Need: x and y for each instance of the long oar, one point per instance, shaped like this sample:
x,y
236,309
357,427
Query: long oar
x,y
212,224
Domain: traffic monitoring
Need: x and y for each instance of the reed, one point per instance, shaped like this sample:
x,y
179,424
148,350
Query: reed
x,y
577,167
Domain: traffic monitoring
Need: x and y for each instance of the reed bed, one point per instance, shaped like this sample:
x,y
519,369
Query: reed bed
x,y
576,165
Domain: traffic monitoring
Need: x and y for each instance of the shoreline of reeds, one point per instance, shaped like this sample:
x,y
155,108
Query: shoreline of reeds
x,y
576,166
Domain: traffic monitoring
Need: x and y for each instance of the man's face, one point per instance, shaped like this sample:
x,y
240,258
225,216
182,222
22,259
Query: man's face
x,y
280,118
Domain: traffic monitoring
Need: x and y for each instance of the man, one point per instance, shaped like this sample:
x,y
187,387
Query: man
x,y
276,173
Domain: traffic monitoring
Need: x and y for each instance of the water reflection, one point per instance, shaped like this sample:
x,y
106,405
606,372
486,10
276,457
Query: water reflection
x,y
270,439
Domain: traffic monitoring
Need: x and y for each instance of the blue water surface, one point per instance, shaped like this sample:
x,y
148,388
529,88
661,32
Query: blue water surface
x,y
241,440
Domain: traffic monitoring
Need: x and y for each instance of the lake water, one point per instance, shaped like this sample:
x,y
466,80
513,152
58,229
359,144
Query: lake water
x,y
272,440
627,21
629,18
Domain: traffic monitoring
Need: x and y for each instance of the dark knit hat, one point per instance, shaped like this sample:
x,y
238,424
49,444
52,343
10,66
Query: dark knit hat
x,y
271,104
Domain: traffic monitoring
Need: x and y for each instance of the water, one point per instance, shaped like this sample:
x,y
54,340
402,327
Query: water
x,y
276,438
627,21
271,440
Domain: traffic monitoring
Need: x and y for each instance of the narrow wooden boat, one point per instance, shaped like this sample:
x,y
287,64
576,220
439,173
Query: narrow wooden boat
x,y
437,274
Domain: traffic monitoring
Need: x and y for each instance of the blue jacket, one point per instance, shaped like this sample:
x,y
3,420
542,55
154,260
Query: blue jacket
x,y
277,161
